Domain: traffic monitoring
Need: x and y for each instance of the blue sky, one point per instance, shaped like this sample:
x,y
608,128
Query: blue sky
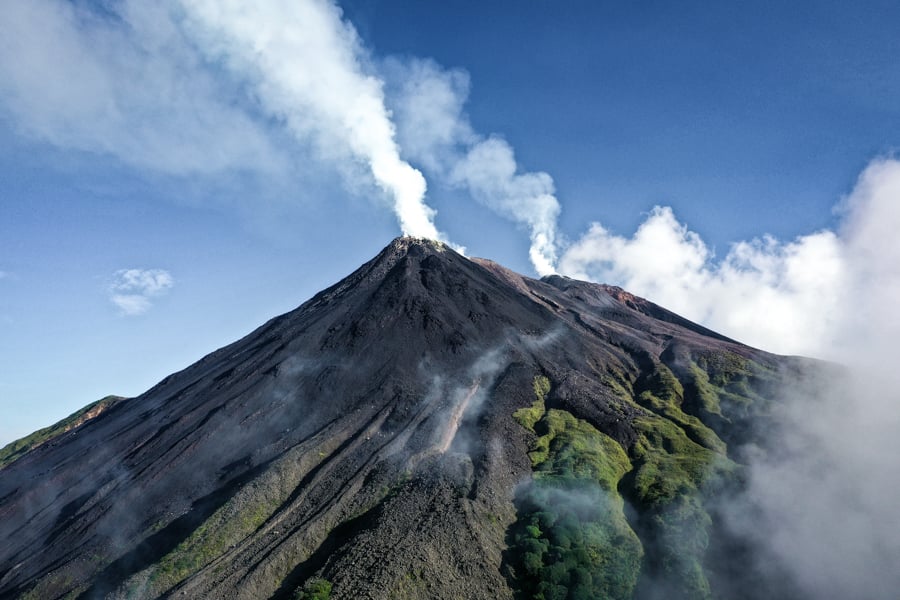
x,y
721,110
746,120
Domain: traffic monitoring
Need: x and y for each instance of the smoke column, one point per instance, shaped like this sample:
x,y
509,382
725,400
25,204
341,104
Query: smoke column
x,y
427,102
305,65
488,170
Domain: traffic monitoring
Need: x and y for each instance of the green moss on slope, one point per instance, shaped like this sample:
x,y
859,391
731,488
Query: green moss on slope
x,y
663,394
528,417
667,485
572,539
707,395
726,389
233,522
230,524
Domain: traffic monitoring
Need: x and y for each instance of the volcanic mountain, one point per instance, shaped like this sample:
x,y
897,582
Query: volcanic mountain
x,y
432,426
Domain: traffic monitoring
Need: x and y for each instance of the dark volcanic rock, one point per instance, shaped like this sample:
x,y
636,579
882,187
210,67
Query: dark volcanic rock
x,y
366,438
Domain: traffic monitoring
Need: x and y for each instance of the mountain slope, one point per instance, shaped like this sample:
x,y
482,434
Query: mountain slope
x,y
18,448
429,427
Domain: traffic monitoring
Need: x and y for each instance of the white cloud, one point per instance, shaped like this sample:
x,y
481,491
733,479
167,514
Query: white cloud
x,y
131,304
126,83
821,501
132,290
824,503
870,322
812,295
781,296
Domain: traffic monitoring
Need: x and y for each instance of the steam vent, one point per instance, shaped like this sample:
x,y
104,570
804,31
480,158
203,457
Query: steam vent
x,y
431,426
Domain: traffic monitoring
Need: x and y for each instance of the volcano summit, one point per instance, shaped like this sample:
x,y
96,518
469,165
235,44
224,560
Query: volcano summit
x,y
431,426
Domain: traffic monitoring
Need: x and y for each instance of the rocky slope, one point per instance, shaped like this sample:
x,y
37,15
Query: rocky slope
x,y
18,448
431,426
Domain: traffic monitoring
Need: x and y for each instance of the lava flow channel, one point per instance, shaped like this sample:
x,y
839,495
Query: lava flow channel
x,y
456,417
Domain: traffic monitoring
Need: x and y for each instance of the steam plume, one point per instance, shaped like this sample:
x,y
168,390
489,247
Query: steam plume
x,y
489,171
143,82
434,131
306,66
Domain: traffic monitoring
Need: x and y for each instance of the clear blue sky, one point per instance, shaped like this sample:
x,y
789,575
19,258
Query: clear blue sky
x,y
746,118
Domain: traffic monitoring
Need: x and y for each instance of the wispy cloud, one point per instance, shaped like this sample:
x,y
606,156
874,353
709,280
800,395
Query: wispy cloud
x,y
124,81
133,290
434,131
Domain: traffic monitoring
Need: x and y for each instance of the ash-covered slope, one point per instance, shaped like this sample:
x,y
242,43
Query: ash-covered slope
x,y
430,427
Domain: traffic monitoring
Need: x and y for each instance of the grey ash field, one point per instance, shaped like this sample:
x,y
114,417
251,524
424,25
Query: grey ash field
x,y
431,426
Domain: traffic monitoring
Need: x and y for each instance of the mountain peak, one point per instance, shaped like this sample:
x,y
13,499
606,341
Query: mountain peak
x,y
405,242
412,246
357,439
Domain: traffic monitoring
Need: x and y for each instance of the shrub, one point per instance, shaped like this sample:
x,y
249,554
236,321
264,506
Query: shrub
x,y
314,589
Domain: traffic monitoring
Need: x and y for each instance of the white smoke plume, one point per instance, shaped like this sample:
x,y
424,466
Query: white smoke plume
x,y
488,170
435,132
307,66
143,82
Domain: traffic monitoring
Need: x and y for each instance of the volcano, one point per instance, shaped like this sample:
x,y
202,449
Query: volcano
x,y
432,426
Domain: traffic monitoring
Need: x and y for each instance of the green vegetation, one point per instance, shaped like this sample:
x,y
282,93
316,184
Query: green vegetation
x,y
707,395
46,585
679,460
571,540
663,394
227,526
49,586
17,449
314,589
667,462
667,483
243,514
721,367
528,417
727,385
